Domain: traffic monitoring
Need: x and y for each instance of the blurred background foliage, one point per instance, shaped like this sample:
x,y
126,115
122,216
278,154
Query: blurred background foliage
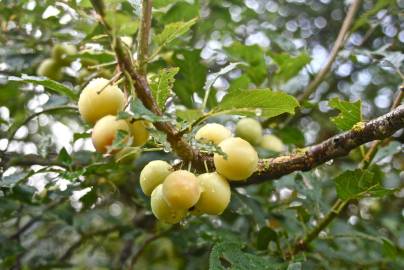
x,y
78,210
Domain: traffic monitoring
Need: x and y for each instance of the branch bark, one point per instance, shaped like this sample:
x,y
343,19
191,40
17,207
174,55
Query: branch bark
x,y
144,35
334,147
302,160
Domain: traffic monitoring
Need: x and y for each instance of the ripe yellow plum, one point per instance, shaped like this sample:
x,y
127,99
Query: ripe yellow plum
x,y
99,99
153,174
213,132
162,210
250,130
241,161
215,196
139,132
273,143
181,189
105,130
50,68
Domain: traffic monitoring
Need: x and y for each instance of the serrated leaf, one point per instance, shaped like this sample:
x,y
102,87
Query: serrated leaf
x,y
189,115
172,31
120,141
253,56
262,102
288,65
359,183
191,78
350,113
121,24
139,111
162,84
47,83
64,157
364,18
214,76
228,255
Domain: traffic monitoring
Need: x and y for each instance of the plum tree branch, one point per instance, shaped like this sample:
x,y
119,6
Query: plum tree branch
x,y
144,35
302,160
334,147
339,204
339,43
143,92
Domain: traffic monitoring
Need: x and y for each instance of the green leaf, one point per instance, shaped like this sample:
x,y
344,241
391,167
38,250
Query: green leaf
x,y
189,115
350,113
120,141
121,24
221,72
51,85
89,198
181,11
263,102
364,18
389,249
162,3
228,255
139,111
172,31
191,77
291,135
288,65
162,84
64,157
359,183
253,56
264,236
240,83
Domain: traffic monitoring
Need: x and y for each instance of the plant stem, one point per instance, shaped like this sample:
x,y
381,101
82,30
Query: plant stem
x,y
338,45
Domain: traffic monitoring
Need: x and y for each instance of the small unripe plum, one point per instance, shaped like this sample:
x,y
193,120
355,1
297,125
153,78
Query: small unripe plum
x,y
139,132
60,53
213,132
181,189
250,130
241,162
99,99
105,130
153,174
273,143
215,196
162,210
51,69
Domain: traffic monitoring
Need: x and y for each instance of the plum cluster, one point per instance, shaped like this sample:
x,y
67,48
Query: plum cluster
x,y
175,193
99,103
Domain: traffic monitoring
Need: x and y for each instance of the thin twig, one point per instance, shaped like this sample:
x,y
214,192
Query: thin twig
x,y
32,116
145,244
144,35
338,45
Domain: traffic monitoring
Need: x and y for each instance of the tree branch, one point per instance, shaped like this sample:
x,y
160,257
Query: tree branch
x,y
340,205
338,45
144,35
143,92
337,146
32,116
